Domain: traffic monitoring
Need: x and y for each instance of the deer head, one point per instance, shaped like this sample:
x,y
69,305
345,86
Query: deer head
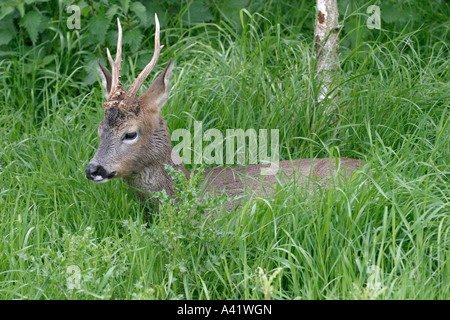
x,y
133,134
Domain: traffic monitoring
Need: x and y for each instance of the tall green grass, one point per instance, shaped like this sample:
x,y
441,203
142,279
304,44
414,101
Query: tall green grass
x,y
384,234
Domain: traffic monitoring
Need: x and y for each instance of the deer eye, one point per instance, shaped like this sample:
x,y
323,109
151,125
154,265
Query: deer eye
x,y
129,137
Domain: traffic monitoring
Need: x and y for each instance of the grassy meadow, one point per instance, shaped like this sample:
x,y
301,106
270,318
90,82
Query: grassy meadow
x,y
384,234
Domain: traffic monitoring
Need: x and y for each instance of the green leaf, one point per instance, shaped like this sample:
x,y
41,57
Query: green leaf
x,y
106,277
5,37
85,9
133,38
7,30
48,59
231,12
140,11
236,4
125,4
198,12
389,13
111,38
153,8
112,11
32,23
5,10
90,67
20,7
98,26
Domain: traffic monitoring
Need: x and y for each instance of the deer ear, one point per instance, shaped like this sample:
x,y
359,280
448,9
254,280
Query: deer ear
x,y
158,93
106,77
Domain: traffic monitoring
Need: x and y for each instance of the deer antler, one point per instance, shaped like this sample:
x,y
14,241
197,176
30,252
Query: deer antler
x,y
134,88
116,65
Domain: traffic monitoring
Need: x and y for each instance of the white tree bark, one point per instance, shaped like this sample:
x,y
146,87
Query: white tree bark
x,y
326,48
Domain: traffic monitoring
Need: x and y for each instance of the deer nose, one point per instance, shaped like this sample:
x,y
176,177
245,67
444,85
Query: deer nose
x,y
96,172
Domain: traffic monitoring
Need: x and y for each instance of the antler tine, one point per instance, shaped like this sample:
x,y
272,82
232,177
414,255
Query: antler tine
x,y
134,88
117,64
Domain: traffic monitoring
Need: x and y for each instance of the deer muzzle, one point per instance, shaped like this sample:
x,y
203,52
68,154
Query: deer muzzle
x,y
97,173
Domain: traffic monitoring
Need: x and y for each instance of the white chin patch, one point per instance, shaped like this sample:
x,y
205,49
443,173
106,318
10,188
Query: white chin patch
x,y
100,179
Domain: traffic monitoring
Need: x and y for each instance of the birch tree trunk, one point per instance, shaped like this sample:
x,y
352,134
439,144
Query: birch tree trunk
x,y
326,48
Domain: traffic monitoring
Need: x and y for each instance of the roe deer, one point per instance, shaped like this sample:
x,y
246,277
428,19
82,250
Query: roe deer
x,y
135,142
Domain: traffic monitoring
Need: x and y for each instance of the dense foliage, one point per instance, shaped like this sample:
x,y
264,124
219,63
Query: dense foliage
x,y
238,64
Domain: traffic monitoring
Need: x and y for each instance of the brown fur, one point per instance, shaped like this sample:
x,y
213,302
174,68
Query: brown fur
x,y
248,181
